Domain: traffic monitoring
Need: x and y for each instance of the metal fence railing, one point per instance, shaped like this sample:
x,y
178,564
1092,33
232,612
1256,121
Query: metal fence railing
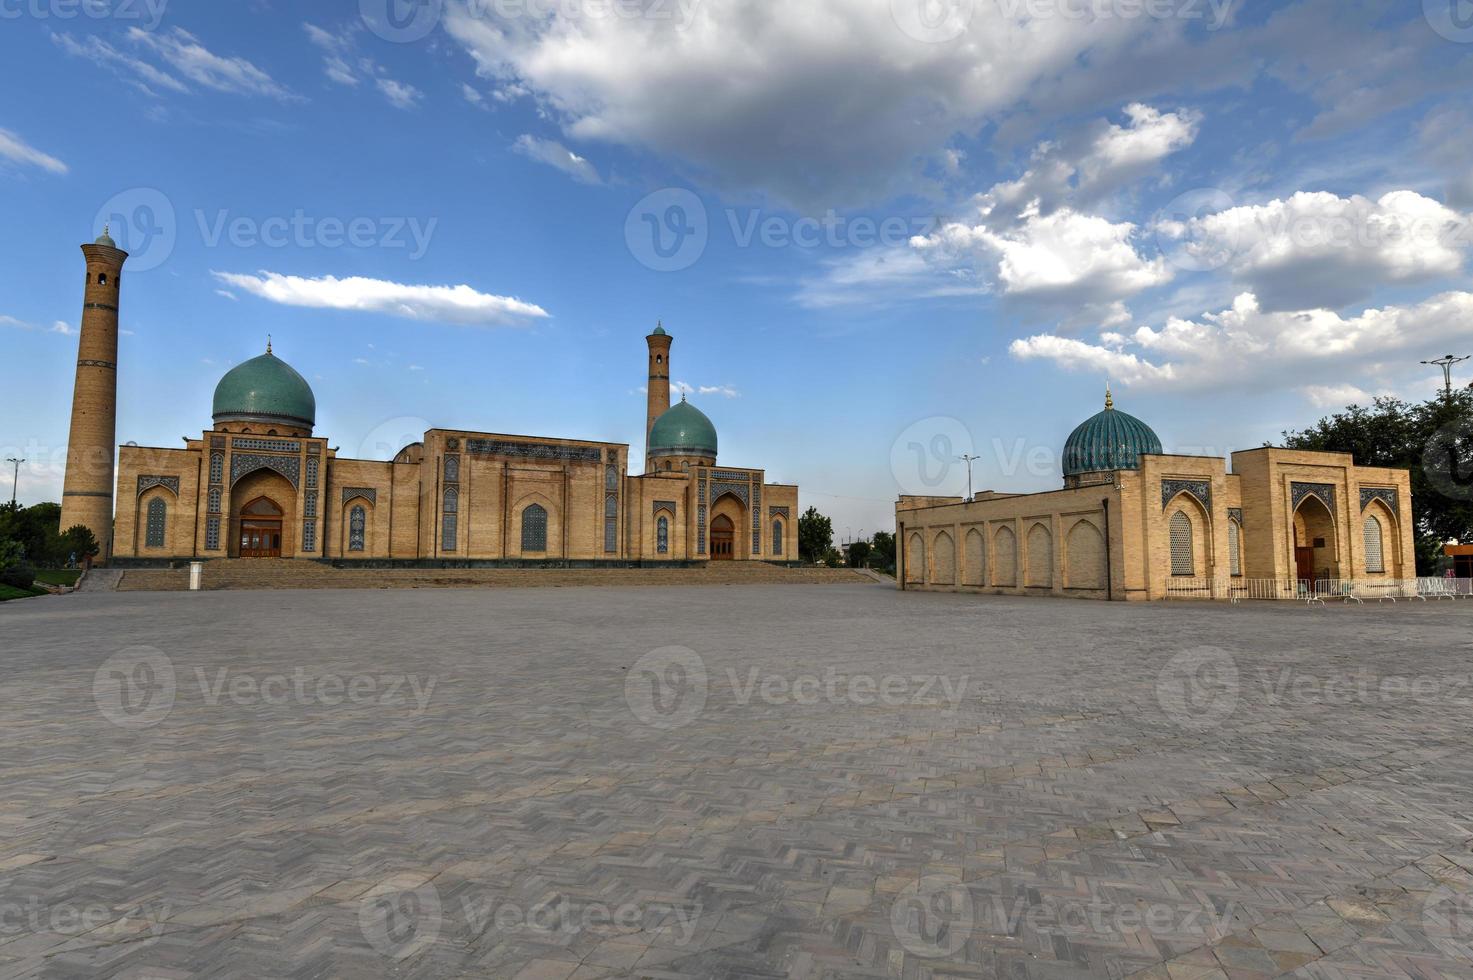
x,y
1310,591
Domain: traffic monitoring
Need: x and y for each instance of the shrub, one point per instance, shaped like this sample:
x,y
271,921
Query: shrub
x,y
18,577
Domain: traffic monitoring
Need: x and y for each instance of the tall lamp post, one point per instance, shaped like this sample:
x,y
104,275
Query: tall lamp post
x,y
969,460
1446,362
14,476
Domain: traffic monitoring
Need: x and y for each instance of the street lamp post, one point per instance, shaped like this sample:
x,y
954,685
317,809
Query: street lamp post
x,y
1446,362
969,460
14,476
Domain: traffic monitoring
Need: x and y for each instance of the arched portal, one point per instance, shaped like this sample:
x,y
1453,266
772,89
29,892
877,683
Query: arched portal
x,y
1314,541
260,529
723,538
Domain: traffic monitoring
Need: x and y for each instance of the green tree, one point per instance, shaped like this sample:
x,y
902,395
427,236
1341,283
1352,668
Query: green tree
x,y
36,529
882,552
815,535
78,540
859,553
1432,439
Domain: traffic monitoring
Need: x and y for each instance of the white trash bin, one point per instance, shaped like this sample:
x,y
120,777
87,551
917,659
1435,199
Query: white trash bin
x,y
196,575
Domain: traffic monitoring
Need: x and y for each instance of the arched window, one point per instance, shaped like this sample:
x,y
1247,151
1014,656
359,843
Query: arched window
x,y
1375,555
157,514
102,279
214,500
217,467
1183,562
452,469
534,528
357,523
662,535
777,537
1235,548
450,519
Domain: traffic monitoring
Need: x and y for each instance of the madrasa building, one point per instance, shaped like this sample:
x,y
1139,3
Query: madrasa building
x,y
261,482
1134,522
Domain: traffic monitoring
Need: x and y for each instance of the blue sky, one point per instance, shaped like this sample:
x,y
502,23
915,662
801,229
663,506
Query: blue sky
x,y
883,232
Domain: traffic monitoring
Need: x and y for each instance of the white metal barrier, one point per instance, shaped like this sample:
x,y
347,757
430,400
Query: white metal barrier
x,y
1311,591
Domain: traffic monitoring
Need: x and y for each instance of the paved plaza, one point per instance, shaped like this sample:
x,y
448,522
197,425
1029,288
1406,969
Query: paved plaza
x,y
763,781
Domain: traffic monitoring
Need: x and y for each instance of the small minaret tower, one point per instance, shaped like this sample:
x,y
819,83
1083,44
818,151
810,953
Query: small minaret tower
x,y
659,384
87,494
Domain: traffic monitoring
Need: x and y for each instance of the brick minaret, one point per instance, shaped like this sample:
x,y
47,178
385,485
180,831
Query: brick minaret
x,y
87,496
659,383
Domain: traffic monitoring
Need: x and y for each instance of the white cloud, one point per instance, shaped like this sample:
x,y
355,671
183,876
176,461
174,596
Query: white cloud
x,y
17,150
400,94
817,103
682,388
228,295
57,327
183,52
1120,153
1060,257
881,274
139,73
554,154
446,304
1247,346
1335,396
473,96
1318,249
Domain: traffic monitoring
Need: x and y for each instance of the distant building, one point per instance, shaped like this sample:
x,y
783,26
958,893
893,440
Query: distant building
x,y
261,483
1133,522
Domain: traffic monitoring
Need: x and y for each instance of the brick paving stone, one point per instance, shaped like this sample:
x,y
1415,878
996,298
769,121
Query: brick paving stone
x,y
522,809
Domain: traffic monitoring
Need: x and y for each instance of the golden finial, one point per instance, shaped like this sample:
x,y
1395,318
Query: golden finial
x,y
268,343
106,227
1109,398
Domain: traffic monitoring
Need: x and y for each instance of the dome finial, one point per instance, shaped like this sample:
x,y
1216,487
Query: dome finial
x,y
268,343
1109,398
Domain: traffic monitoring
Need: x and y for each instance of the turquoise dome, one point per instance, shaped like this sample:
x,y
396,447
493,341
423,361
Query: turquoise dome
x,y
1111,440
268,390
683,430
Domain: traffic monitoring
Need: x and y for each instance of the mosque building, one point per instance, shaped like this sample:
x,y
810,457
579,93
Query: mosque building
x,y
1134,522
261,482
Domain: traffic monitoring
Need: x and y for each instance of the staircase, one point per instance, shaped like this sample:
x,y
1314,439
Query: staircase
x,y
277,573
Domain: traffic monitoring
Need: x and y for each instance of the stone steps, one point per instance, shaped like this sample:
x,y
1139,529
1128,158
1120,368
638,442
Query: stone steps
x,y
286,574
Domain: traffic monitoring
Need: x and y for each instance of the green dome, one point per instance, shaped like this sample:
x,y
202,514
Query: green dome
x,y
1110,440
683,430
105,238
265,389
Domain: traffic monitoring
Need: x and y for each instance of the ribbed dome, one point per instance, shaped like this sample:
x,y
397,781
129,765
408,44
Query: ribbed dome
x,y
683,430
265,389
1111,440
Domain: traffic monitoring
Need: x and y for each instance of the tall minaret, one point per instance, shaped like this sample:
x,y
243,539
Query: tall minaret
x,y
87,495
659,383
